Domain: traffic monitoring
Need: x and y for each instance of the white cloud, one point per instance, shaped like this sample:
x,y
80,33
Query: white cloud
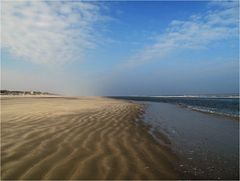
x,y
197,32
49,32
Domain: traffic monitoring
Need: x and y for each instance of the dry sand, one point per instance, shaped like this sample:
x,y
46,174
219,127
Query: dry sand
x,y
78,138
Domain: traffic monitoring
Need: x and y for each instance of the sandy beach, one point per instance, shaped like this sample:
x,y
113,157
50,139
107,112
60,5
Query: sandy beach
x,y
67,138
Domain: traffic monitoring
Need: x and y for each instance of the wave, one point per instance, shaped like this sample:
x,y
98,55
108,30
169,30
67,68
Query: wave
x,y
200,96
210,111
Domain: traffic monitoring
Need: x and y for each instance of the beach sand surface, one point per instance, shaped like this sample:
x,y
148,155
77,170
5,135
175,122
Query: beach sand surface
x,y
73,138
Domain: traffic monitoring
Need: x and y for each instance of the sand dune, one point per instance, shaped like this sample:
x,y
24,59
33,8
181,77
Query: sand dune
x,y
78,138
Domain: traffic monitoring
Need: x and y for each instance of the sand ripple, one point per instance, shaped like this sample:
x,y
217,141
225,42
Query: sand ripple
x,y
94,138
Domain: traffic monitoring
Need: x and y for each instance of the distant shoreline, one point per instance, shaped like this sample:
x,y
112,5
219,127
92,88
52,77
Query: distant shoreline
x,y
24,93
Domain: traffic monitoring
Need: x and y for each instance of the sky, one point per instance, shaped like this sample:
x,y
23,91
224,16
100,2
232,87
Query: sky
x,y
120,48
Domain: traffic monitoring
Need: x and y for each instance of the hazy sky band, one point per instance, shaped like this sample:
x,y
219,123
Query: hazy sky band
x,y
120,48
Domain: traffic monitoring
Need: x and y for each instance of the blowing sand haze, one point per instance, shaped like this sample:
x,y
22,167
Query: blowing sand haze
x,y
78,138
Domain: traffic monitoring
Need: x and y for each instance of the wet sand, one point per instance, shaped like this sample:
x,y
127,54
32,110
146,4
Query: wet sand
x,y
60,138
207,144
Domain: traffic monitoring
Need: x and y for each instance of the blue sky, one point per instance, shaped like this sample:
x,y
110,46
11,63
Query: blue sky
x,y
120,48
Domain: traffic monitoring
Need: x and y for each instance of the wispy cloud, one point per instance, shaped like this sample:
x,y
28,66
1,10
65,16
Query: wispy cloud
x,y
198,32
49,32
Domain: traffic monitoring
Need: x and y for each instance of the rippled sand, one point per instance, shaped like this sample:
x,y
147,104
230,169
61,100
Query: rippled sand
x,y
78,138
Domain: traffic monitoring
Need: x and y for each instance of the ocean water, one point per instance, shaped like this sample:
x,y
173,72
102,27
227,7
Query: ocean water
x,y
207,146
221,105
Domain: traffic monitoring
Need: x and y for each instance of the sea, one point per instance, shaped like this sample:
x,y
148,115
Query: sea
x,y
202,130
224,104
